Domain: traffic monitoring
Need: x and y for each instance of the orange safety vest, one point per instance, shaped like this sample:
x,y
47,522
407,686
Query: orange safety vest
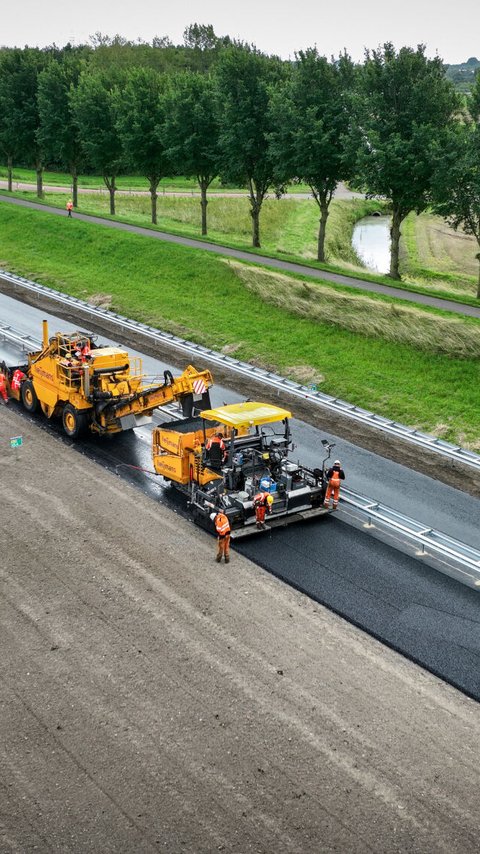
x,y
69,206
2,379
17,378
335,480
222,524
261,498
215,440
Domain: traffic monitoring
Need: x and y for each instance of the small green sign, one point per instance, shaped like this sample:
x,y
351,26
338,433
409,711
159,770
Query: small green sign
x,y
16,441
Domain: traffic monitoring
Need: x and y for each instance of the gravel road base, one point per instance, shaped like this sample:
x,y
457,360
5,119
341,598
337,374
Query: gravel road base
x,y
152,700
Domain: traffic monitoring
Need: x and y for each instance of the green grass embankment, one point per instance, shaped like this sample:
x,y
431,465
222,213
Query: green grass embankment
x,y
288,231
204,298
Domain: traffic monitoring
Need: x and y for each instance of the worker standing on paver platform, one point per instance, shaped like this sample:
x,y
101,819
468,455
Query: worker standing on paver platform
x,y
335,475
216,451
222,527
3,388
262,503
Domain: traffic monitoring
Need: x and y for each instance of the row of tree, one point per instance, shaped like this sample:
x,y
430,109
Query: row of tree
x,y
393,125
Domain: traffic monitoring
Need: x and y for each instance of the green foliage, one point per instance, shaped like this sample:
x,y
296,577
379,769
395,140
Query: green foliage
x,y
463,74
404,108
456,188
58,134
19,71
243,81
140,116
94,109
311,116
191,126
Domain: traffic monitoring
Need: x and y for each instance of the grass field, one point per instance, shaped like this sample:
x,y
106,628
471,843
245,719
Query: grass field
x,y
287,229
437,256
127,182
226,305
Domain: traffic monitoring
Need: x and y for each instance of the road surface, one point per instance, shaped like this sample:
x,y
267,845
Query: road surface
x,y
154,701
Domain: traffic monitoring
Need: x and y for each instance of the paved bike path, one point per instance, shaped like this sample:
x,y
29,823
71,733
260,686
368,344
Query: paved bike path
x,y
264,260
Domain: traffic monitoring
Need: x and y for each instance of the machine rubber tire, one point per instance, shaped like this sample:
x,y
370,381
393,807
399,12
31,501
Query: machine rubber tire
x,y
74,421
29,397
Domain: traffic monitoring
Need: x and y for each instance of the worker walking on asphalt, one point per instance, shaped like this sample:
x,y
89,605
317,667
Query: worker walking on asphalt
x,y
263,504
222,527
335,474
3,388
69,207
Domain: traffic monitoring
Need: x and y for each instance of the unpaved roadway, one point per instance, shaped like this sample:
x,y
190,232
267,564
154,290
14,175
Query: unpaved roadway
x,y
152,700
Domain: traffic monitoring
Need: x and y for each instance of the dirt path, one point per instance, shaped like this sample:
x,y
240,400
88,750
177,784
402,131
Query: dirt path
x,y
342,192
154,701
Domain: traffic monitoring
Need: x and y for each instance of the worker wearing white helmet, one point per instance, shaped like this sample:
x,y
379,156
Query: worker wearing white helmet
x,y
335,475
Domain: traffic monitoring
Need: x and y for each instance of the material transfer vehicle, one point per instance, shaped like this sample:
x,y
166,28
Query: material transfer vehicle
x,y
100,389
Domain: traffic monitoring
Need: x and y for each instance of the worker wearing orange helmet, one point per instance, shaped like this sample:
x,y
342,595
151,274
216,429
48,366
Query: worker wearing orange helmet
x,y
263,504
335,475
222,527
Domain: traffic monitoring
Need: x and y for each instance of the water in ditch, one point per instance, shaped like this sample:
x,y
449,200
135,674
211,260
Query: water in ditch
x,y
371,241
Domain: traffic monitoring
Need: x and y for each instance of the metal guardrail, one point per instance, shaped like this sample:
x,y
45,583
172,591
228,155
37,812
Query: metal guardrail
x,y
8,333
386,425
464,558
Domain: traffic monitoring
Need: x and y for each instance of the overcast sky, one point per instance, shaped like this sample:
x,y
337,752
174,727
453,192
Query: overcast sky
x,y
451,29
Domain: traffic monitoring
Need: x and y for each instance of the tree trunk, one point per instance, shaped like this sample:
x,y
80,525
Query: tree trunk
x,y
10,173
322,230
203,203
256,199
39,171
111,187
74,174
395,243
153,197
256,227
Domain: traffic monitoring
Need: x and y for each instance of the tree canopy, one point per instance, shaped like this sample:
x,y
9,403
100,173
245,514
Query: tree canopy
x,y
311,116
403,107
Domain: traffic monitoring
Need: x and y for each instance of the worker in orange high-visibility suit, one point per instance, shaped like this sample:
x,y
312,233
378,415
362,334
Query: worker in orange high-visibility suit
x,y
222,527
3,388
216,451
262,503
82,351
17,379
335,475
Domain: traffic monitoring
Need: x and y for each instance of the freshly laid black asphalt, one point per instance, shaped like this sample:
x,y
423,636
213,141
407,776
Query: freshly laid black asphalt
x,y
254,258
422,613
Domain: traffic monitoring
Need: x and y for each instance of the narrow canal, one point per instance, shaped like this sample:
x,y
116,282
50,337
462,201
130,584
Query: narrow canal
x,y
371,241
